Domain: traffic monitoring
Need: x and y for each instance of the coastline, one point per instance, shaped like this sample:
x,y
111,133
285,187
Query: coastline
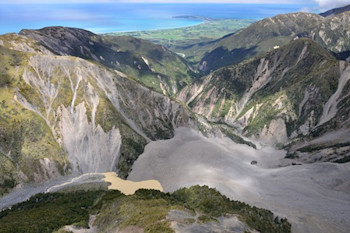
x,y
200,22
124,17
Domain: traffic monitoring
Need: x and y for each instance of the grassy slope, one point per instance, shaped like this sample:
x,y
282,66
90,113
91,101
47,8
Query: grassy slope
x,y
24,136
163,65
146,209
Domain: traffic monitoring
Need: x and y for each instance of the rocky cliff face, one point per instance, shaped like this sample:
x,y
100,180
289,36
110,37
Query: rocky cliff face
x,y
291,95
62,114
153,65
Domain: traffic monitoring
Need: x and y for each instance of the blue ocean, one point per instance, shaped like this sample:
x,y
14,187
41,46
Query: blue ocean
x,y
117,17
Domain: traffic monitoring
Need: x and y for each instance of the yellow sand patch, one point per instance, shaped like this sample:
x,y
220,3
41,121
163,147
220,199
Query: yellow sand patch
x,y
129,187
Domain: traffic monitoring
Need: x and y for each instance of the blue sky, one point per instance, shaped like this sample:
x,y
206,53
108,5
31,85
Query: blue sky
x,y
113,15
323,4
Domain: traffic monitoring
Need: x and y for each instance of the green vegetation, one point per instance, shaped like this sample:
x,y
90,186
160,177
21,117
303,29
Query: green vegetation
x,y
262,36
213,204
146,209
267,112
306,75
204,32
151,64
48,212
7,179
180,40
281,96
25,137
5,80
29,133
132,147
132,144
12,40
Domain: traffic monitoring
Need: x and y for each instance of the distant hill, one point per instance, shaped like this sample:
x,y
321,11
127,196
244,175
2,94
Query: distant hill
x,y
336,11
265,35
178,39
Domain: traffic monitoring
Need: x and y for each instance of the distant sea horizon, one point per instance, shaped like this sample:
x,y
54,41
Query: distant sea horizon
x,y
118,17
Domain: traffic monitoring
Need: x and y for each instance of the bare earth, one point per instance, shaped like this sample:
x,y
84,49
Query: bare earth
x,y
129,187
314,197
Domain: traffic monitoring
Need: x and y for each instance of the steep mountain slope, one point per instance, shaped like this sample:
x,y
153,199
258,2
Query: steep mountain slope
x,y
331,32
151,64
62,114
336,11
298,92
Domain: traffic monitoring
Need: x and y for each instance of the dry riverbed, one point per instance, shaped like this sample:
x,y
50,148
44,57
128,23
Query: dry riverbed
x,y
314,197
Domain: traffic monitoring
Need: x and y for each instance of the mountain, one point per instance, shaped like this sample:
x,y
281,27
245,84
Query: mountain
x,y
265,35
64,115
336,11
75,105
185,210
58,81
153,65
287,97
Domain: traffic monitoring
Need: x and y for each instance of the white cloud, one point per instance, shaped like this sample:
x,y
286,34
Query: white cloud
x,y
329,4
323,4
305,9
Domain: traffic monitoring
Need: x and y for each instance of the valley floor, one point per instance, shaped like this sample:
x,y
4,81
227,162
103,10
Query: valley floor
x,y
314,197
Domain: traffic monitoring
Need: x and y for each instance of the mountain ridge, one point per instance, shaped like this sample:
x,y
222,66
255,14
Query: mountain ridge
x,y
153,65
330,32
259,95
335,11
